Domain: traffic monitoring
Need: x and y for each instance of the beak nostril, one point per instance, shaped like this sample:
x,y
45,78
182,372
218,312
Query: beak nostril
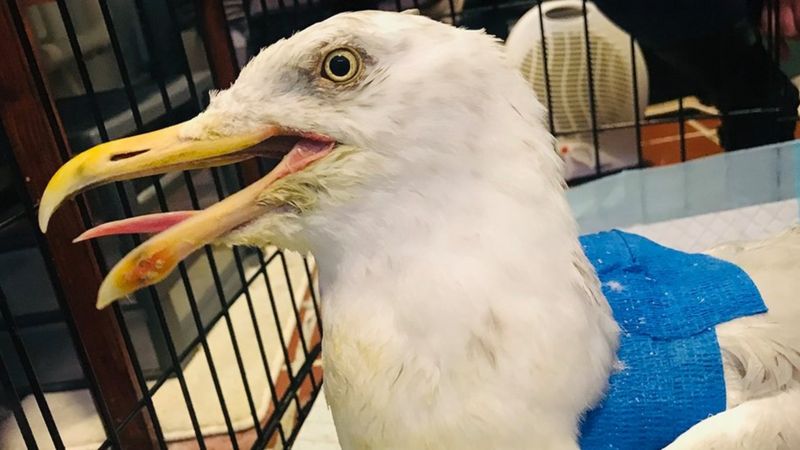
x,y
127,155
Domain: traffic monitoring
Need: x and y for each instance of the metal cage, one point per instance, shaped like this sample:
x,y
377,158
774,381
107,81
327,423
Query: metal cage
x,y
80,72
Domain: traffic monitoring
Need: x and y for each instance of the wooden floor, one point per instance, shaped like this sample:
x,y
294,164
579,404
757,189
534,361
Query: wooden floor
x,y
661,143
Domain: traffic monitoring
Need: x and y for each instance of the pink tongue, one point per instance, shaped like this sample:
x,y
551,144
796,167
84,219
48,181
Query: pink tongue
x,y
305,152
150,223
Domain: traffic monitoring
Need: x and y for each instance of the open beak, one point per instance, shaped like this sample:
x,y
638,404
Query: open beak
x,y
183,232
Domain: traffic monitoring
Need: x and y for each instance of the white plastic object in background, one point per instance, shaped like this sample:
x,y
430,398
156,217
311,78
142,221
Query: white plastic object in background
x,y
567,64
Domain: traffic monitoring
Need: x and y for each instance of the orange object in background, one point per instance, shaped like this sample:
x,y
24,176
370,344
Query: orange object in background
x,y
661,143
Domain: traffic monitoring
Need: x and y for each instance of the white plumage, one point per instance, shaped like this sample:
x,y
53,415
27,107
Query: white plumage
x,y
761,355
459,311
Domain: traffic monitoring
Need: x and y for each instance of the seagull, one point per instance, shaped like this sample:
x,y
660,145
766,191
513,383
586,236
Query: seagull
x,y
460,308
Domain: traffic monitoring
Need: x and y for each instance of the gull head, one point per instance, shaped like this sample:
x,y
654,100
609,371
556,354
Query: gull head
x,y
360,103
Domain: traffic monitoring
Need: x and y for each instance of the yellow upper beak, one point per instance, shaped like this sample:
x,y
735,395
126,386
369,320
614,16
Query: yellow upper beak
x,y
159,152
137,156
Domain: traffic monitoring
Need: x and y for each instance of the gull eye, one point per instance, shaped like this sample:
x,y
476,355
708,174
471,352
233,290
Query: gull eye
x,y
341,65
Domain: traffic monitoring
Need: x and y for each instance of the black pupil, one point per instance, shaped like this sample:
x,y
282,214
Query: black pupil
x,y
339,66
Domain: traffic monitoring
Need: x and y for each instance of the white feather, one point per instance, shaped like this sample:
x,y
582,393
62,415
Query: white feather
x,y
459,310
